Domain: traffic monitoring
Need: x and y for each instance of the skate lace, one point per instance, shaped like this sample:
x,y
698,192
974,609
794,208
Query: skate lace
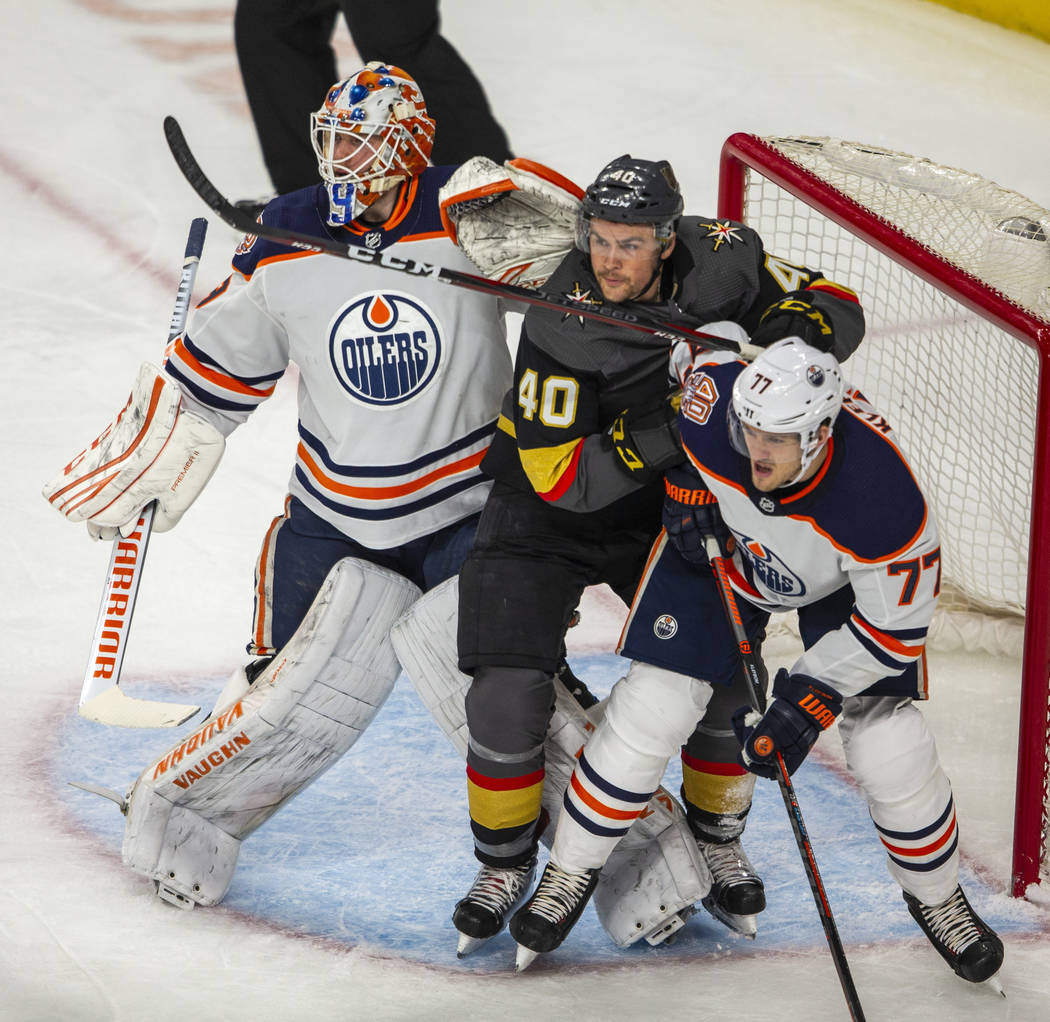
x,y
727,863
498,889
952,924
558,893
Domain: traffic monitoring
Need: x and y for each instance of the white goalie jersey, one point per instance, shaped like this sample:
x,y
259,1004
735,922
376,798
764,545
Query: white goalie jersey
x,y
400,378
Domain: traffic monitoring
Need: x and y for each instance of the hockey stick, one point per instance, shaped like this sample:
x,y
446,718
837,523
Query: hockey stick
x,y
634,318
757,697
101,698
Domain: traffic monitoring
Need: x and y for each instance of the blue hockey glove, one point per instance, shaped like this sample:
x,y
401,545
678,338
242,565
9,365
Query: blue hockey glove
x,y
690,515
802,707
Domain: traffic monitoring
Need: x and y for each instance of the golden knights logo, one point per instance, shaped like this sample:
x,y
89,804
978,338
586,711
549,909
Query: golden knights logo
x,y
577,294
385,347
723,232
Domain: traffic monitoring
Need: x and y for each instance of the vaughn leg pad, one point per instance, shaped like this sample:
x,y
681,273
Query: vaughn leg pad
x,y
189,810
655,874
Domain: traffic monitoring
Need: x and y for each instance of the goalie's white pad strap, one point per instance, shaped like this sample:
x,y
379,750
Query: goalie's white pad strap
x,y
656,873
153,450
303,712
514,222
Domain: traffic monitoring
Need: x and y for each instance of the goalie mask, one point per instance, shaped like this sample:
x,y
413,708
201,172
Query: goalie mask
x,y
630,191
372,133
791,390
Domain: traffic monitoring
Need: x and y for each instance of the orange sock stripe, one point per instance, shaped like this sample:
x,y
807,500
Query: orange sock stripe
x,y
600,807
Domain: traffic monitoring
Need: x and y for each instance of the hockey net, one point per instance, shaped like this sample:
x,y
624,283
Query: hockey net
x,y
953,272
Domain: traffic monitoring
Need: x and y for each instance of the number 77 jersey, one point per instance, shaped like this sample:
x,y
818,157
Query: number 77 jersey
x,y
855,548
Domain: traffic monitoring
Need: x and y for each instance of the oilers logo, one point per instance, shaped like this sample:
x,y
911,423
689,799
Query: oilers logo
x,y
665,627
385,348
770,571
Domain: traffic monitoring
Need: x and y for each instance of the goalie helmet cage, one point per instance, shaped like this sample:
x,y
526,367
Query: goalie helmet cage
x,y
952,270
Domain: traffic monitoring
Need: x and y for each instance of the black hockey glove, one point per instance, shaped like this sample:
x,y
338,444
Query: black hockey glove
x,y
802,707
646,438
690,515
794,316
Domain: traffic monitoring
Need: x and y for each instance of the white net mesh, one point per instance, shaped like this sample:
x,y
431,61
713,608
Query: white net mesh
x,y
960,391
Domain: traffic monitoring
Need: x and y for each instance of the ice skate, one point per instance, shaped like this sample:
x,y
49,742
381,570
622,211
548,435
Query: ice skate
x,y
493,895
544,921
737,894
961,937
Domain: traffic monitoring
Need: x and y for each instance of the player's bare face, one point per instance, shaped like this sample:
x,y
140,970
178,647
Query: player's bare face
x,y
776,458
625,258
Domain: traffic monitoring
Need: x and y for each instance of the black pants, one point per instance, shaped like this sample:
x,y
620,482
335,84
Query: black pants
x,y
287,64
517,590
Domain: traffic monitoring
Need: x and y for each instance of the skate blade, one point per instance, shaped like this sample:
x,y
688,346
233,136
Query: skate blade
x,y
995,984
468,944
746,926
525,958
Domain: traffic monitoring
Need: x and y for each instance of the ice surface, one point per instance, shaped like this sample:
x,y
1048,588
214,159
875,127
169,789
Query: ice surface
x,y
340,906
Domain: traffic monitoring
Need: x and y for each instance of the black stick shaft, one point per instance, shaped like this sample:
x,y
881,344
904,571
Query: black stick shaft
x,y
757,695
634,318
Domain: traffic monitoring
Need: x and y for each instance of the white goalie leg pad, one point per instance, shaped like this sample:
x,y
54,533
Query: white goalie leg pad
x,y
425,642
189,810
655,875
153,450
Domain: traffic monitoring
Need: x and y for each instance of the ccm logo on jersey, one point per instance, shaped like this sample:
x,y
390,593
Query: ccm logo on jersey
x,y
771,571
385,348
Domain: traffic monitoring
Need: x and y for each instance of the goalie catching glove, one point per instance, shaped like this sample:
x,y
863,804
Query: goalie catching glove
x,y
514,222
801,709
153,450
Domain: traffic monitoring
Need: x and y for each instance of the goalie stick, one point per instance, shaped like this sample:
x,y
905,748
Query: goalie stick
x,y
633,317
101,698
757,697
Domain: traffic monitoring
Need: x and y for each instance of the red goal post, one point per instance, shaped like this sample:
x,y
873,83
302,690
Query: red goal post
x,y
946,263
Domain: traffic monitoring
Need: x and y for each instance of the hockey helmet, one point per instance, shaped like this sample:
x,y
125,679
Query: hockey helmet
x,y
371,133
632,191
790,388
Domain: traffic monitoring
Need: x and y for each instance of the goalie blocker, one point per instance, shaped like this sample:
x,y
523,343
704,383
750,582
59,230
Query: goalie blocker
x,y
190,809
655,875
153,450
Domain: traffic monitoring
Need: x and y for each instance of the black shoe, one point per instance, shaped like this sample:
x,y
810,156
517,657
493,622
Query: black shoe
x,y
961,937
494,893
735,886
544,921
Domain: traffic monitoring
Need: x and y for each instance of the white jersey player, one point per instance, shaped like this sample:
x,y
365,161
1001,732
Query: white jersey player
x,y
400,383
399,386
824,517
